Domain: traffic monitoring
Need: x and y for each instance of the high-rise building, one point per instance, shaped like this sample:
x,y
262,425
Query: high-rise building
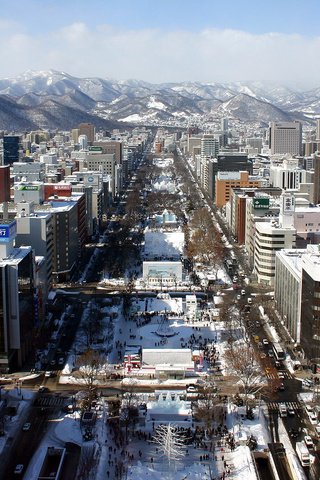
x,y
226,181
285,137
316,178
297,286
225,124
17,300
288,175
318,130
209,146
111,147
274,236
87,129
11,149
83,142
4,183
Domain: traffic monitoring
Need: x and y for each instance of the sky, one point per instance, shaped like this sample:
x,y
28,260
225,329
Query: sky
x,y
275,41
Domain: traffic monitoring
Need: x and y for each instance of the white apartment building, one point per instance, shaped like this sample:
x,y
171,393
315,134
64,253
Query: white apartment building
x,y
297,286
288,175
271,237
265,210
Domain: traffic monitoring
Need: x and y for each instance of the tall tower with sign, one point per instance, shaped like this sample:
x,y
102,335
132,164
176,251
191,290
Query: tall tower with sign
x,y
17,300
287,208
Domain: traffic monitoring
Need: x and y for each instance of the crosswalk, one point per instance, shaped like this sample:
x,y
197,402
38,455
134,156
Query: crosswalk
x,y
276,376
274,406
50,401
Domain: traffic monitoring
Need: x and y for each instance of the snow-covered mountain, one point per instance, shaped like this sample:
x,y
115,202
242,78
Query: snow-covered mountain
x,y
59,100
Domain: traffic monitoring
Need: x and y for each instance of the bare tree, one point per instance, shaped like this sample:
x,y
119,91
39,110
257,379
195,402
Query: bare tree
x,y
208,406
129,406
243,361
92,326
92,367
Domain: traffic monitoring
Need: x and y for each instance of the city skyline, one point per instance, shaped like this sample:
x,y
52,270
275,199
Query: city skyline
x,y
164,42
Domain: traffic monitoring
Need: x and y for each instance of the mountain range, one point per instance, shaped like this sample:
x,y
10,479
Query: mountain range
x,y
57,100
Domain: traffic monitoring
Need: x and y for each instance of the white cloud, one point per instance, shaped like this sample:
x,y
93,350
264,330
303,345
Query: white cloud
x,y
157,56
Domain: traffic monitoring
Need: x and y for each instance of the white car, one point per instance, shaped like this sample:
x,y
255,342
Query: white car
x,y
313,418
191,388
26,426
308,441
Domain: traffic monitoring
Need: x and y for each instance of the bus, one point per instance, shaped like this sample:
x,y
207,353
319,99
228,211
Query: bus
x,y
303,454
278,352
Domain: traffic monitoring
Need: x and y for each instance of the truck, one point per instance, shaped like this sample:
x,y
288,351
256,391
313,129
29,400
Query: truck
x,y
303,454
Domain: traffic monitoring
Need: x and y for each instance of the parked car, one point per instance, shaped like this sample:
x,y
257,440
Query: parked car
x,y
19,469
313,418
265,341
191,388
307,383
308,441
42,389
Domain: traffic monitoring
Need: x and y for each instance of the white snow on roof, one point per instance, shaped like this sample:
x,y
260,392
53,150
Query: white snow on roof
x,y
164,243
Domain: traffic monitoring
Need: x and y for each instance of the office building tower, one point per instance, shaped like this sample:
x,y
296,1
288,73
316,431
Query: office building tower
x,y
18,315
316,178
285,137
288,175
11,149
224,124
89,130
83,142
209,146
4,183
318,130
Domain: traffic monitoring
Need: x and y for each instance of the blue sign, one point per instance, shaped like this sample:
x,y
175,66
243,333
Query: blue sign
x,y
8,232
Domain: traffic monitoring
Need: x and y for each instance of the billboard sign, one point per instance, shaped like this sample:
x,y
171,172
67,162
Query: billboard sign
x,y
261,203
8,231
288,203
95,149
34,188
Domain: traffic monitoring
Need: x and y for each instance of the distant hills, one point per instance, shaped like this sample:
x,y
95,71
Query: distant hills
x,y
56,100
